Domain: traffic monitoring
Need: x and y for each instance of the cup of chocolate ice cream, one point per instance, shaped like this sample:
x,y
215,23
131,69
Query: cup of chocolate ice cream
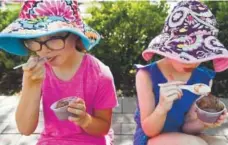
x,y
209,108
60,108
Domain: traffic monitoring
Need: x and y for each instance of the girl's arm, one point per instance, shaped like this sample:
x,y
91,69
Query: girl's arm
x,y
192,124
27,113
153,118
99,122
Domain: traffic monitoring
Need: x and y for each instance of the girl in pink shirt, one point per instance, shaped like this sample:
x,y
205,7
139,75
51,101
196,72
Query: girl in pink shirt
x,y
56,33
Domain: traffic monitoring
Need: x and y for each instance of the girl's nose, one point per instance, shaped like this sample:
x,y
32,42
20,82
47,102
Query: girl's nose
x,y
45,49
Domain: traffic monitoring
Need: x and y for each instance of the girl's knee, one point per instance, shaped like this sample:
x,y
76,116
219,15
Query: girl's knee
x,y
198,141
151,142
176,139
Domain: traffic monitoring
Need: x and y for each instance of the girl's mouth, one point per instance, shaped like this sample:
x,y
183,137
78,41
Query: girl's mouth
x,y
51,58
188,69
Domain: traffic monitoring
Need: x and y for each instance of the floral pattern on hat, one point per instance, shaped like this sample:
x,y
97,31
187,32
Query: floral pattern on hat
x,y
189,35
42,17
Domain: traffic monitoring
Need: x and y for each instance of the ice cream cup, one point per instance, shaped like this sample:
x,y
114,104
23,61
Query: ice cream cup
x,y
61,111
209,115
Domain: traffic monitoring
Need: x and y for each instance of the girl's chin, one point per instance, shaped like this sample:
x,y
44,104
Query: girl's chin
x,y
53,64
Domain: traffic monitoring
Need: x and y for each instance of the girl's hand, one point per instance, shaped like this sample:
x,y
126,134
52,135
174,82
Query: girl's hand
x,y
81,118
169,92
34,71
219,122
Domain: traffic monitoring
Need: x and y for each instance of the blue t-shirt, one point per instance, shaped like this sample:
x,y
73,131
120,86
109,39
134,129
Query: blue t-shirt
x,y
175,117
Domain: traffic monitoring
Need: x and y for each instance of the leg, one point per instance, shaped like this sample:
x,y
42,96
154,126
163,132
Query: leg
x,y
212,140
176,139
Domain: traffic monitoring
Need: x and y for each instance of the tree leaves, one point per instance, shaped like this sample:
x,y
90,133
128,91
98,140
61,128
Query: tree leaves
x,y
127,28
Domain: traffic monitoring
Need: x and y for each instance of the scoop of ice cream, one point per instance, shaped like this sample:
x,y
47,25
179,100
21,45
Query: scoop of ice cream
x,y
62,104
202,89
210,103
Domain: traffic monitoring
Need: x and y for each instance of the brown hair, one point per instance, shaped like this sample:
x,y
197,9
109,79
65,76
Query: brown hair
x,y
79,46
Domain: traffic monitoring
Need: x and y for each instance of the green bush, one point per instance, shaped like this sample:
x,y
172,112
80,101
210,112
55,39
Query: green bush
x,y
7,17
127,28
220,10
10,80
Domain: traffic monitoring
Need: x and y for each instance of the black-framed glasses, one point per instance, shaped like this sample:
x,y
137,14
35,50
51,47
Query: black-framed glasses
x,y
54,43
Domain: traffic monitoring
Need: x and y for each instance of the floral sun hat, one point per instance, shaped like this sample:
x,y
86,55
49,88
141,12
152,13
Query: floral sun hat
x,y
190,36
46,17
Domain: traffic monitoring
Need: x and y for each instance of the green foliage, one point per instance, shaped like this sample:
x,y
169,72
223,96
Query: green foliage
x,y
7,17
220,10
10,80
127,28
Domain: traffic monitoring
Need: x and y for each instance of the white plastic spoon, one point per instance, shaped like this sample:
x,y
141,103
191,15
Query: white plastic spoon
x,y
21,65
199,88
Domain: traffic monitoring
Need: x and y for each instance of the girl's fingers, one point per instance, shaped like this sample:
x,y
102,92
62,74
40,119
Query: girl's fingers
x,y
175,92
217,124
211,125
38,75
33,62
172,87
29,65
172,92
32,58
165,90
219,121
225,112
79,100
73,119
222,117
37,71
173,97
77,106
76,111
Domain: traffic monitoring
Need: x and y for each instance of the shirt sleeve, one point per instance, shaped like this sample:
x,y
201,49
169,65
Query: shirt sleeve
x,y
106,93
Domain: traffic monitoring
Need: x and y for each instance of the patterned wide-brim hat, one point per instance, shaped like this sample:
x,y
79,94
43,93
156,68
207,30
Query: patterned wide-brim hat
x,y
46,17
190,36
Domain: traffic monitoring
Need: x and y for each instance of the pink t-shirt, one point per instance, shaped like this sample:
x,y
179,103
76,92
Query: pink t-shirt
x,y
94,83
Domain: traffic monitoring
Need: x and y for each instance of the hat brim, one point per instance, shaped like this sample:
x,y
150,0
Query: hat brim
x,y
208,48
10,37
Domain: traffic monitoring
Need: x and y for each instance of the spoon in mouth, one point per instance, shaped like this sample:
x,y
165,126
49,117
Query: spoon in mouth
x,y
21,65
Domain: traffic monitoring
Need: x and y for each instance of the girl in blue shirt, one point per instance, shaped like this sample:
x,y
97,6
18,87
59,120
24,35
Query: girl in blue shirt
x,y
166,115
